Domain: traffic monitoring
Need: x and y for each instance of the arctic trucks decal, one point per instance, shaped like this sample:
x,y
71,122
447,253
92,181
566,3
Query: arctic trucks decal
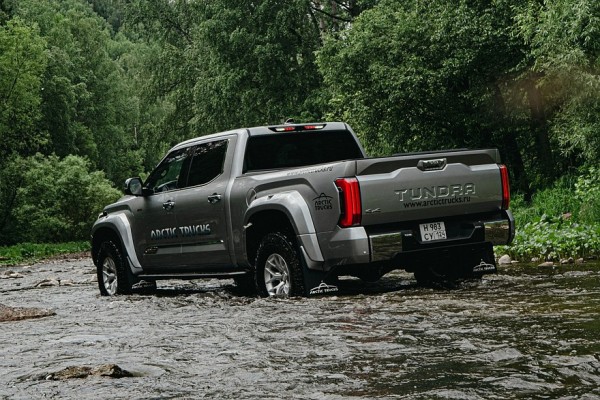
x,y
181,231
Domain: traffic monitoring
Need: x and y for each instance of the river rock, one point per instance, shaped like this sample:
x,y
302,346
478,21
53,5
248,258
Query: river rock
x,y
579,261
569,260
77,372
504,260
21,313
546,264
47,283
10,275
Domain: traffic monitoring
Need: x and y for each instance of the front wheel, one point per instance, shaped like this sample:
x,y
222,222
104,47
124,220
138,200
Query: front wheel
x,y
278,267
112,270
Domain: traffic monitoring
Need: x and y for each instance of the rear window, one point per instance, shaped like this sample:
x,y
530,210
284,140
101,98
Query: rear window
x,y
288,150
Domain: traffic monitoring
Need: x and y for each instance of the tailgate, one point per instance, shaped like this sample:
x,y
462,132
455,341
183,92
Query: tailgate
x,y
429,185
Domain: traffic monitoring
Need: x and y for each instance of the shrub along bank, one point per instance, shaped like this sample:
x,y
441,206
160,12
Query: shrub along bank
x,y
560,222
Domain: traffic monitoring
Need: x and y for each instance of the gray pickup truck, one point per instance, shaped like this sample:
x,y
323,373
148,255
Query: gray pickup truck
x,y
285,210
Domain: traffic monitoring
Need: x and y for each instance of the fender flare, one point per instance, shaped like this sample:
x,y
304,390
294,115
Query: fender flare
x,y
293,205
119,225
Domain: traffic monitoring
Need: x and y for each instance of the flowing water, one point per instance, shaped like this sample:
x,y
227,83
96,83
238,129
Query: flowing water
x,y
527,332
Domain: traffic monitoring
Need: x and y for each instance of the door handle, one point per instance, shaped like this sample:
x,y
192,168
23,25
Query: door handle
x,y
214,198
168,205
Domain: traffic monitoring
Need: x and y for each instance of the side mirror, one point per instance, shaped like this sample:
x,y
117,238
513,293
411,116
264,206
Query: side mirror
x,y
133,186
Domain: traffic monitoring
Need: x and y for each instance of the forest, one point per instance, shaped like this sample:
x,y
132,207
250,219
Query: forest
x,y
93,92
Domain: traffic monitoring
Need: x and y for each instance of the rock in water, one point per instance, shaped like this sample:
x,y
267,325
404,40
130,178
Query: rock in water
x,y
109,370
21,313
504,260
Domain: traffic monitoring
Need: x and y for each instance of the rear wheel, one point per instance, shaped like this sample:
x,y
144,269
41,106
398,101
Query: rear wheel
x,y
113,274
278,267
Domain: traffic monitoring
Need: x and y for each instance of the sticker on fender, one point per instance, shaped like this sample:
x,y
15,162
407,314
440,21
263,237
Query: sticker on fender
x,y
433,231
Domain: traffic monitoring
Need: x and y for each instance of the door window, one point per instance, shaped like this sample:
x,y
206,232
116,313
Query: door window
x,y
170,173
207,162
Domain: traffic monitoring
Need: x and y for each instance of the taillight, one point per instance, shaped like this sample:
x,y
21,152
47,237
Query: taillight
x,y
505,187
350,198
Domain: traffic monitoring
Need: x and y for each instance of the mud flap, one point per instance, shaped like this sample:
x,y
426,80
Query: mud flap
x,y
479,262
319,283
454,263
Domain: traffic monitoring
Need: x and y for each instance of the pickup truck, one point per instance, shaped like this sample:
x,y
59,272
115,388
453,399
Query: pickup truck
x,y
285,210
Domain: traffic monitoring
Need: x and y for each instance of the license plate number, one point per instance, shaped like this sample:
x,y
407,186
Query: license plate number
x,y
433,231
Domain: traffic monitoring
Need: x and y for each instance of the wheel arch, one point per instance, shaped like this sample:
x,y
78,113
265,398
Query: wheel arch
x,y
263,222
286,211
101,235
116,228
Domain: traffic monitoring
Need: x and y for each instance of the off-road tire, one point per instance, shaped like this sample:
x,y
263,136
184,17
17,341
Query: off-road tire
x,y
113,272
277,251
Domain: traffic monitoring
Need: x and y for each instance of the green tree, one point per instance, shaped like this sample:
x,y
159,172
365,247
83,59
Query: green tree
x,y
411,76
226,64
22,63
563,67
89,108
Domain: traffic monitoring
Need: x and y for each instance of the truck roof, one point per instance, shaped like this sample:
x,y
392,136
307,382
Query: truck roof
x,y
267,130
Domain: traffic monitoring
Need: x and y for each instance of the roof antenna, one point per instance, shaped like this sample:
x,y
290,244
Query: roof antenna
x,y
289,121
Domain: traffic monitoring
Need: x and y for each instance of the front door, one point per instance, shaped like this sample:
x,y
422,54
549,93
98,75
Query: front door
x,y
156,235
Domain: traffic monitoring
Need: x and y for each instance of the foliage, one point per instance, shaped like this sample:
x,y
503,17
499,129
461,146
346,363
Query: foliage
x,y
88,107
555,239
563,39
561,221
587,191
22,63
225,64
59,199
30,252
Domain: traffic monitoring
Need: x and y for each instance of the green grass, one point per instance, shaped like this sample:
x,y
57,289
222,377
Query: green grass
x,y
30,252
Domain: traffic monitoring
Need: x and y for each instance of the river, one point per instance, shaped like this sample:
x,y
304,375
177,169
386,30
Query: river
x,y
526,332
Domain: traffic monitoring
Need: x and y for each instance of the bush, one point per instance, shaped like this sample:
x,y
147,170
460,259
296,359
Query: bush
x,y
587,192
554,239
560,222
59,199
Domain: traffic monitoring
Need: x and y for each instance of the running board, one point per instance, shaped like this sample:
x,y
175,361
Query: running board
x,y
188,276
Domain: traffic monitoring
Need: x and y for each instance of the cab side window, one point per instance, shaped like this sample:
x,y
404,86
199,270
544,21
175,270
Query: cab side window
x,y
170,174
207,162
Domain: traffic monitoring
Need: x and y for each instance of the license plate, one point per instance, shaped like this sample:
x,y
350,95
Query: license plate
x,y
433,231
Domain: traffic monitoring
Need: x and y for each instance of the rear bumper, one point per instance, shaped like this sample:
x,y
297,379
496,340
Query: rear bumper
x,y
398,243
499,230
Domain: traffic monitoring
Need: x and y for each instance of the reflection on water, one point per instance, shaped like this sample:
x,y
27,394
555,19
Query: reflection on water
x,y
524,333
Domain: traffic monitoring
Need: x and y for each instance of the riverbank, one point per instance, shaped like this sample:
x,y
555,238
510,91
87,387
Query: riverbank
x,y
28,253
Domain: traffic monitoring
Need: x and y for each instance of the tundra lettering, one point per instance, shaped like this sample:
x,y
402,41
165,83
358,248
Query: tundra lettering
x,y
435,192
